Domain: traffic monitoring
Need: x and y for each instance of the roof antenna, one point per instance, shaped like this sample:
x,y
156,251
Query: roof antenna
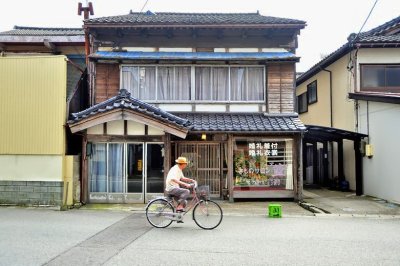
x,y
88,9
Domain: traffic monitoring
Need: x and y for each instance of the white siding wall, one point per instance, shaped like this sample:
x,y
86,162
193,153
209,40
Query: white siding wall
x,y
381,172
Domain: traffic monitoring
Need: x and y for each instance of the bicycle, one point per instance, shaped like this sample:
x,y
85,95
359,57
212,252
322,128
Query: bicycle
x,y
207,214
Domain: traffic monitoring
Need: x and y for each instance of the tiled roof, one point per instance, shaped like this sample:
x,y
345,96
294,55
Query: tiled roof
x,y
385,35
167,18
38,31
243,122
124,101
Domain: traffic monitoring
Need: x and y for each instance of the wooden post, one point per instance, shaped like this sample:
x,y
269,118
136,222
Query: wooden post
x,y
340,161
84,173
326,163
316,177
230,167
298,164
167,155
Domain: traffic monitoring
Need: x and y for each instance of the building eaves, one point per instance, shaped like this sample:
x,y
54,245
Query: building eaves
x,y
193,19
381,36
39,31
198,56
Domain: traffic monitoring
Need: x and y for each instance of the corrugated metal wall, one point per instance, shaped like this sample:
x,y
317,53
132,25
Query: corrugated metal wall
x,y
32,104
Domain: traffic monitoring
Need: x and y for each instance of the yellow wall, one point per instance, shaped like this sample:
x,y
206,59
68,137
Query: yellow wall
x,y
32,105
343,115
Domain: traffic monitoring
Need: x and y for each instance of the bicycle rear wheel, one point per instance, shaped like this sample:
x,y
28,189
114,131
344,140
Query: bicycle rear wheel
x,y
207,214
159,213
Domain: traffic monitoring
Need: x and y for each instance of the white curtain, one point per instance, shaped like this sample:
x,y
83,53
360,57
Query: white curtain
x,y
140,82
130,80
97,168
182,83
165,82
255,89
220,81
115,167
147,83
238,84
203,83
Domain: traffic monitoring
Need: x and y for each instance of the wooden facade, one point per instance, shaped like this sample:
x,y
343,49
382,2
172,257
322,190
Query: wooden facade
x,y
213,158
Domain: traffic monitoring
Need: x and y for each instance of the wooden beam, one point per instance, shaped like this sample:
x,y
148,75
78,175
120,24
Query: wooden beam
x,y
359,170
120,114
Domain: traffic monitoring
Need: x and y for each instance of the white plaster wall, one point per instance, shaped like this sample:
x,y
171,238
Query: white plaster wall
x,y
31,167
135,128
210,108
115,127
382,171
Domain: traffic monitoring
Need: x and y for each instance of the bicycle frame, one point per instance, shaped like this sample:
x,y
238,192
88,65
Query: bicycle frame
x,y
195,199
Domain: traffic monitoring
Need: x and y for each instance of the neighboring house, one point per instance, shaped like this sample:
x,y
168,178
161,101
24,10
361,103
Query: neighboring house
x,y
41,69
357,89
217,88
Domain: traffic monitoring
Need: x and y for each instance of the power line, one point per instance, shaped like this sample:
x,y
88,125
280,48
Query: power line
x,y
370,12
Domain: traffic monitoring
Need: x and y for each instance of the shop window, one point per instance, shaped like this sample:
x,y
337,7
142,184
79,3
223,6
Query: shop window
x,y
302,103
312,92
380,78
265,163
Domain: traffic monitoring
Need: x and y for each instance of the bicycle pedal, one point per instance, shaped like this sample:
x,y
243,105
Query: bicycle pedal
x,y
179,222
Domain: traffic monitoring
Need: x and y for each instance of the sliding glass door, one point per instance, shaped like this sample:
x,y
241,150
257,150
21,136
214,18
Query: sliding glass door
x,y
125,172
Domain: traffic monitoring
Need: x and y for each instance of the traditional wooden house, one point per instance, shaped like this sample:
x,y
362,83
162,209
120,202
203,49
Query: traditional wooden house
x,y
216,88
351,100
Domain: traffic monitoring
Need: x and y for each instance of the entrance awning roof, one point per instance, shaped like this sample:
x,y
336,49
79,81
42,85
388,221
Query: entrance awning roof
x,y
320,134
125,107
197,56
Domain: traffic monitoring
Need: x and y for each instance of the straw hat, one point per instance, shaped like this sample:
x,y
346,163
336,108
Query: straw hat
x,y
181,160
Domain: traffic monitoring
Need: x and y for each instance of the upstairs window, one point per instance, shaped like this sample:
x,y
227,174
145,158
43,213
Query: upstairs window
x,y
380,78
312,92
195,83
302,103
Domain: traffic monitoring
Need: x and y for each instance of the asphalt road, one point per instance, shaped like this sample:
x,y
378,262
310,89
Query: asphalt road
x,y
78,237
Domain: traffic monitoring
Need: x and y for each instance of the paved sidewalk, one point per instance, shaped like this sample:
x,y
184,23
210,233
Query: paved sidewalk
x,y
316,202
348,204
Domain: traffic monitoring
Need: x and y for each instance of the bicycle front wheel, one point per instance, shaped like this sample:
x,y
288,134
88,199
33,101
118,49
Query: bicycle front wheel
x,y
207,214
159,213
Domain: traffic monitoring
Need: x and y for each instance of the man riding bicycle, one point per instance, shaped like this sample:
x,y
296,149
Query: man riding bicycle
x,y
176,180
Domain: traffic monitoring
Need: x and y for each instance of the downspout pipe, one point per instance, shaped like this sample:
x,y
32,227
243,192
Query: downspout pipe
x,y
330,95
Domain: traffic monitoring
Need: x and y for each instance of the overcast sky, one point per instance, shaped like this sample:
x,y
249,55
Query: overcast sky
x,y
329,22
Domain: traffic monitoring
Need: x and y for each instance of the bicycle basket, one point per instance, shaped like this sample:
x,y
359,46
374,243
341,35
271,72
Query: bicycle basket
x,y
203,192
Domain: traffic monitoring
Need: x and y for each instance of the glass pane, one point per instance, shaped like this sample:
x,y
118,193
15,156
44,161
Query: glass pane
x,y
393,76
115,167
203,83
155,168
147,83
135,168
312,92
130,80
263,162
165,83
255,84
372,77
238,84
182,83
97,168
220,84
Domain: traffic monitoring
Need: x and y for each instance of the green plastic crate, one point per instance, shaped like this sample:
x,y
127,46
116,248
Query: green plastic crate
x,y
275,210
